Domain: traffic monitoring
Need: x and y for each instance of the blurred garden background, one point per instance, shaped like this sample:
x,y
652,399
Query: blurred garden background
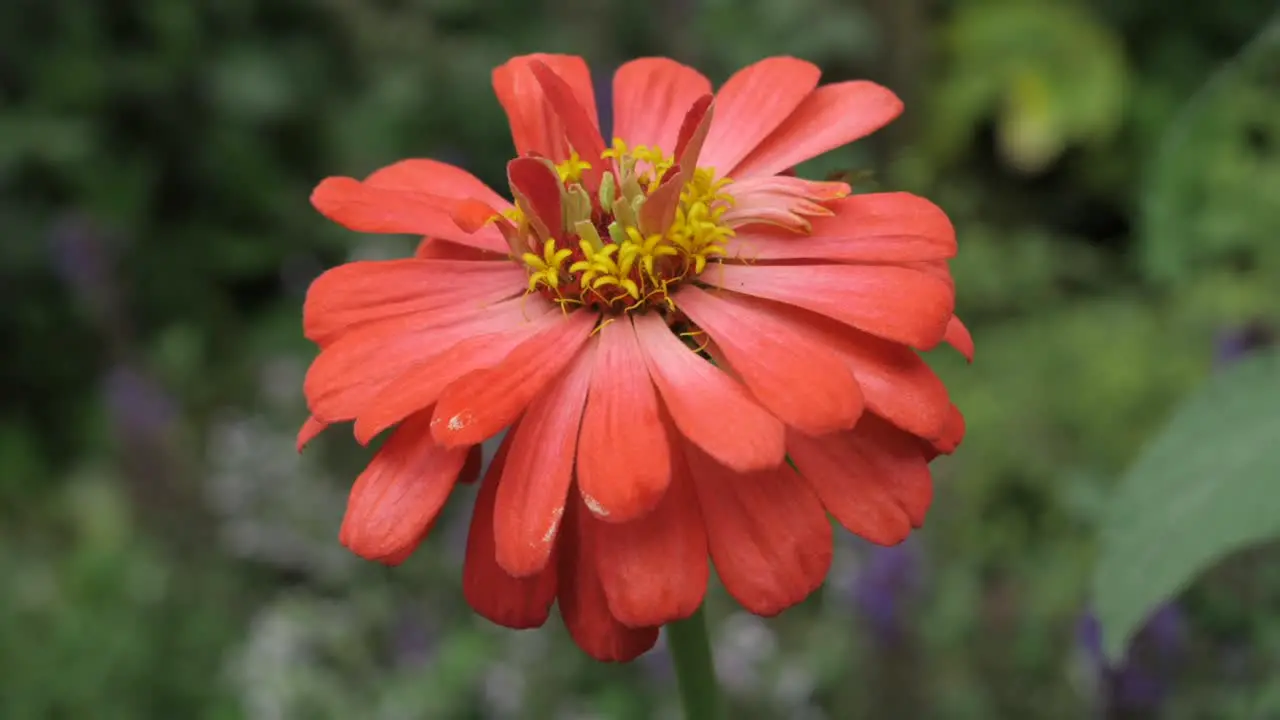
x,y
1112,168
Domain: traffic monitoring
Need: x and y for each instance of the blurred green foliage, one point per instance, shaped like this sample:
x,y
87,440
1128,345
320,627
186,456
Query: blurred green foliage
x,y
1111,168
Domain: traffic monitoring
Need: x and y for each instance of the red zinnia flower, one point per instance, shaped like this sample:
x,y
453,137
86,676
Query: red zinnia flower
x,y
660,322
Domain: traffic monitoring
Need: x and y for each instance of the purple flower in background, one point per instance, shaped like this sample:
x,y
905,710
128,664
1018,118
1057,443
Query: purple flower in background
x,y
413,642
657,663
1236,343
889,579
138,407
1142,680
81,257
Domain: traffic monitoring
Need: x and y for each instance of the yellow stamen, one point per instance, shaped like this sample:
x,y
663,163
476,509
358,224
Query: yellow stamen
x,y
571,170
546,269
606,258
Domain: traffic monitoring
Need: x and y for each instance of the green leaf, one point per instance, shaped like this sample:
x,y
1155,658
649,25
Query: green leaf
x,y
1204,488
1211,188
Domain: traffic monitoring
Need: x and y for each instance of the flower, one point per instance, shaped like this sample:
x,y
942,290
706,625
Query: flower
x,y
884,590
1141,681
660,321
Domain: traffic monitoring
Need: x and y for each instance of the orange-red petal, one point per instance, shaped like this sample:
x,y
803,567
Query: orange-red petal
x,y
371,209
873,479
959,338
951,436
829,117
356,293
422,384
693,135
800,381
518,603
437,249
539,469
352,370
650,99
873,228
659,209
482,402
768,535
433,177
581,126
309,430
537,187
752,104
901,304
407,551
535,128
624,459
654,569
400,493
896,382
789,203
709,408
583,603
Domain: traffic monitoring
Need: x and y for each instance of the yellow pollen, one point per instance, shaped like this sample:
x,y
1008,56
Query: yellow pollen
x,y
600,255
546,270
571,170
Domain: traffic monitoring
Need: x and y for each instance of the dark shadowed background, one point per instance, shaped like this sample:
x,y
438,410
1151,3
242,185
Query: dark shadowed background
x,y
1112,168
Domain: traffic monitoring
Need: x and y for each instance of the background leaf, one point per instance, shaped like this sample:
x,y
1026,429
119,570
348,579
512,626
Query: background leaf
x,y
1204,488
1200,207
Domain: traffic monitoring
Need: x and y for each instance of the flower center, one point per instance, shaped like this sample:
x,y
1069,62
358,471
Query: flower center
x,y
650,226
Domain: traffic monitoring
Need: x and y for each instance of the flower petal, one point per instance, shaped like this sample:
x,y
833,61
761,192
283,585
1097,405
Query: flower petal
x,y
693,135
752,104
872,228
800,381
518,603
535,483
785,202
535,128
897,303
370,209
400,493
581,124
537,188
959,338
650,99
483,402
624,459
309,430
896,382
582,600
433,177
407,551
829,117
951,436
352,370
654,569
873,479
437,249
768,535
421,384
709,407
356,293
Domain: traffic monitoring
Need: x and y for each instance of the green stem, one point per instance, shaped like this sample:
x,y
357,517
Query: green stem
x,y
695,673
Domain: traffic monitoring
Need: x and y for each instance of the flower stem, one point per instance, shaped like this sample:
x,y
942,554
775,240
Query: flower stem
x,y
695,673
